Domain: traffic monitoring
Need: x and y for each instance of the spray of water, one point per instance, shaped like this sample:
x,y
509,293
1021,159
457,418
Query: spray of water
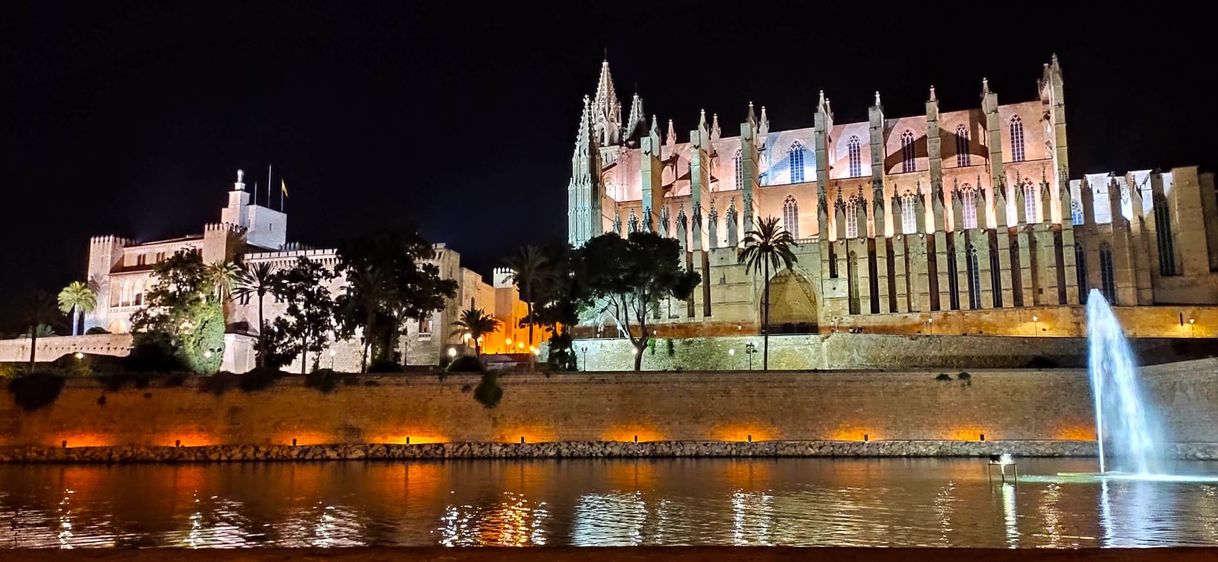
x,y
1126,428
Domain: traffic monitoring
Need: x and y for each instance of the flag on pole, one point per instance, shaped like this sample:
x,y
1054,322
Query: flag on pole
x,y
283,187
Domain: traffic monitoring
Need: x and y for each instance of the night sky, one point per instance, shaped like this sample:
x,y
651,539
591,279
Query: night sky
x,y
132,118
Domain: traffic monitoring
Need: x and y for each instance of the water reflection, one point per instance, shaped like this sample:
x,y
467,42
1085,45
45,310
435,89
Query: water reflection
x,y
596,503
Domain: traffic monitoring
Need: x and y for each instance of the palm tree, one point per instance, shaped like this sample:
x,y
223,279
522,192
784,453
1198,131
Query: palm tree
x,y
37,310
767,245
258,280
223,277
368,293
476,323
76,298
529,267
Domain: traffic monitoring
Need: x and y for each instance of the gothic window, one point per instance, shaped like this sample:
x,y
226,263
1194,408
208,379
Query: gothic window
x,y
907,151
796,159
425,325
852,217
1016,139
1076,212
909,213
1107,277
739,170
962,158
1029,202
968,204
856,157
974,279
1080,270
137,297
1167,251
790,216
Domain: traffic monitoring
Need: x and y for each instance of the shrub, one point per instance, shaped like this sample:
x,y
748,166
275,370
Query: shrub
x,y
36,390
95,331
672,350
324,380
218,383
466,364
386,366
260,378
943,377
153,352
488,392
964,376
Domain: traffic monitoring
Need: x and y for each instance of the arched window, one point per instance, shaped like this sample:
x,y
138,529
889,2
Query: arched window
x,y
1076,212
907,151
739,170
1107,278
968,204
1029,202
796,159
1016,139
1167,250
137,297
852,217
856,157
790,216
974,279
909,213
1080,270
962,158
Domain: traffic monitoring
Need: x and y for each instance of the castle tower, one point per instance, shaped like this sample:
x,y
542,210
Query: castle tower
x,y
262,226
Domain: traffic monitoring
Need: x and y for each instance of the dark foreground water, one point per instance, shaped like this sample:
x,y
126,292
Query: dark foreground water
x,y
798,502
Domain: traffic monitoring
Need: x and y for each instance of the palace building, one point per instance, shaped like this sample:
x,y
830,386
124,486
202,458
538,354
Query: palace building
x,y
966,217
122,271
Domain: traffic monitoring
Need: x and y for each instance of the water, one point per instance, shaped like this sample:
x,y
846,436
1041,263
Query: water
x,y
1128,429
800,502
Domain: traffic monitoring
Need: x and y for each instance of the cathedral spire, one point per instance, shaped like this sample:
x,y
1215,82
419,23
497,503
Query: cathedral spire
x,y
985,86
655,126
670,138
636,123
763,127
932,93
877,98
715,131
752,120
607,109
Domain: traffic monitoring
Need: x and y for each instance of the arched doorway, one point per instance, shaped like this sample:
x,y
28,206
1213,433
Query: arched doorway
x,y
793,305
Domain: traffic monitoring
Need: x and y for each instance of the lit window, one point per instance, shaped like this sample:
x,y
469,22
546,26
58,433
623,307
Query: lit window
x,y
962,158
796,159
907,151
1076,212
856,157
1016,139
968,204
739,170
790,215
1029,201
425,325
852,217
909,214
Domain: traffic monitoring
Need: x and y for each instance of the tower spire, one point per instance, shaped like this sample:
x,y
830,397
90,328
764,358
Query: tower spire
x,y
670,138
607,110
636,123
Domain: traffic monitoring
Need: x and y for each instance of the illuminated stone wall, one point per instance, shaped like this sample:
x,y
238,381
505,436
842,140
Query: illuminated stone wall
x,y
1002,404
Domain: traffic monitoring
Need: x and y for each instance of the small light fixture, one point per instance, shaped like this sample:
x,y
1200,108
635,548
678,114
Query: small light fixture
x,y
750,438
177,443
983,437
207,354
522,440
65,443
293,441
866,438
452,352
333,353
520,345
731,351
407,439
1192,320
508,342
636,438
80,355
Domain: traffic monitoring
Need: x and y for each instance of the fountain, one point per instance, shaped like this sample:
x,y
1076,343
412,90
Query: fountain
x,y
1123,418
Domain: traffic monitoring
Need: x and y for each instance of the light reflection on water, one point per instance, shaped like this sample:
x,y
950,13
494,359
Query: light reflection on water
x,y
802,502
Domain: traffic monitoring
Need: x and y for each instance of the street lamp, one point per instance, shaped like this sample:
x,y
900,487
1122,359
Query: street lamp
x,y
749,349
585,350
1192,327
332,354
929,322
1036,324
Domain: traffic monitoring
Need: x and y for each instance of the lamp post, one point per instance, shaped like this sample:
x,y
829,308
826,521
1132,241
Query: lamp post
x,y
332,354
749,349
1035,325
929,324
1192,327
585,350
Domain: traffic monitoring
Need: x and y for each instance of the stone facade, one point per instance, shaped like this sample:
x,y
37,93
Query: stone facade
x,y
121,271
969,212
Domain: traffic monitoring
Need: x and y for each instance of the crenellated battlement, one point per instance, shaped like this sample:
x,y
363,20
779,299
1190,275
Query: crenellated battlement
x,y
108,239
224,226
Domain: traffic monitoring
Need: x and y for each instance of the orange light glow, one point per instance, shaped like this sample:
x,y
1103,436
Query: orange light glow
x,y
971,433
188,439
303,438
628,433
84,440
743,433
1077,433
415,437
531,434
854,434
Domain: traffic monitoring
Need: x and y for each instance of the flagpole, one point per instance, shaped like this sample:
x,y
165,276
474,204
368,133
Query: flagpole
x,y
268,186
